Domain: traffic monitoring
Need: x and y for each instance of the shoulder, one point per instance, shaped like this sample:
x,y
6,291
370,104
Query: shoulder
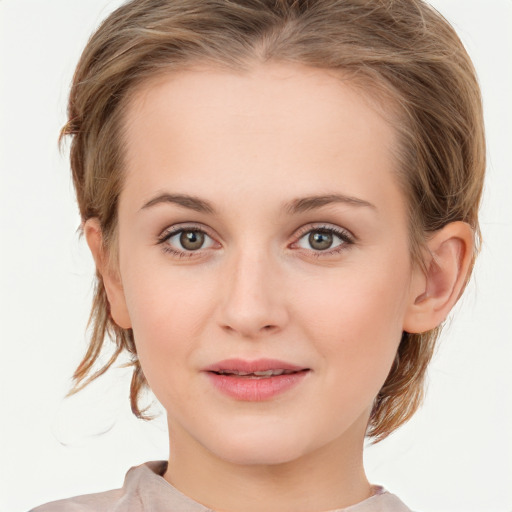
x,y
130,498
104,501
390,503
381,501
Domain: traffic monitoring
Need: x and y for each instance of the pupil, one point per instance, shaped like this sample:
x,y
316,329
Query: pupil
x,y
192,240
320,240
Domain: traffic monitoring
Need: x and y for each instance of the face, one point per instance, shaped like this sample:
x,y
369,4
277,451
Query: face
x,y
261,229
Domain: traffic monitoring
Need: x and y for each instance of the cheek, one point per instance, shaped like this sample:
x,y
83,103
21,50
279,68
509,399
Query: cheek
x,y
167,315
357,324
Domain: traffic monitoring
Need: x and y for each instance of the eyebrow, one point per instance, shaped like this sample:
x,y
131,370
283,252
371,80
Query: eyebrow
x,y
295,206
312,202
190,202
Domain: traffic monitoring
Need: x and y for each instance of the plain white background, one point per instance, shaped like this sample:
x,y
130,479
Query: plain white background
x,y
456,453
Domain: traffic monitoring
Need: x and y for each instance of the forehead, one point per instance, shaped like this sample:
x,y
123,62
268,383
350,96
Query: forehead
x,y
277,124
271,92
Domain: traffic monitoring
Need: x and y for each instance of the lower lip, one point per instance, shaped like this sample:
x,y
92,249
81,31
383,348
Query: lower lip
x,y
256,389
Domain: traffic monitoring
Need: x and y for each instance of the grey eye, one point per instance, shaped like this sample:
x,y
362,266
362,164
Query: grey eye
x,y
320,240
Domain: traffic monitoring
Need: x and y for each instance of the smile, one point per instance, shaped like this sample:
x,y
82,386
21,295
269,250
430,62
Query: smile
x,y
266,373
255,381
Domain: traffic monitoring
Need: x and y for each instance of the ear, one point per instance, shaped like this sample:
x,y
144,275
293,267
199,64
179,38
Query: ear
x,y
435,292
110,276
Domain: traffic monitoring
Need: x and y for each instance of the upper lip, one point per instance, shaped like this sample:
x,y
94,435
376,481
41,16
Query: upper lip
x,y
257,365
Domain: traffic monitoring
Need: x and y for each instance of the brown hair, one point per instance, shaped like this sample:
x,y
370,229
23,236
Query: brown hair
x,y
402,49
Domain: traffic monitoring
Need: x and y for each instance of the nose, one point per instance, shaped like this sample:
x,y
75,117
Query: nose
x,y
252,302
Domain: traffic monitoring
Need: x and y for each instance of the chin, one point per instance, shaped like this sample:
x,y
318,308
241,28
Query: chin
x,y
258,454
259,446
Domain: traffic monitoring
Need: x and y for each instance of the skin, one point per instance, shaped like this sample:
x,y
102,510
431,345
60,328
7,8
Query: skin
x,y
250,144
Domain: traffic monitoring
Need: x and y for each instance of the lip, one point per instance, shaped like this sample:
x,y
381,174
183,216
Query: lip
x,y
253,388
258,365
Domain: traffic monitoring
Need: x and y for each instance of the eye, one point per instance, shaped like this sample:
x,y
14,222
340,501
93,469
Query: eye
x,y
325,239
185,241
189,240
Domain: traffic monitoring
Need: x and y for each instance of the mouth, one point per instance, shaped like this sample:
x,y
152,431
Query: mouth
x,y
255,381
258,375
256,368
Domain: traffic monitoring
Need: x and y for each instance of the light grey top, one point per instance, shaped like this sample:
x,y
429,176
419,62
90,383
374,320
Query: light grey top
x,y
145,490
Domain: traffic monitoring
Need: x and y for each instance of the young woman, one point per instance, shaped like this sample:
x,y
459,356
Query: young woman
x,y
281,199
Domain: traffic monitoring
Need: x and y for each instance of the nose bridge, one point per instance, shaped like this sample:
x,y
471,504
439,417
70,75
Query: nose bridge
x,y
252,301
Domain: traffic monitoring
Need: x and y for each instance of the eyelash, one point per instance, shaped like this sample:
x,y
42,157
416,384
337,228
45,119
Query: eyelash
x,y
344,235
169,233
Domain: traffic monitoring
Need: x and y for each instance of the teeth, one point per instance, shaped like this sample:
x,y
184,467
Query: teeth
x,y
266,373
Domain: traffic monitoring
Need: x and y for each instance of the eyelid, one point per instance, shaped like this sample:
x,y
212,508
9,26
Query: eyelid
x,y
183,226
347,238
175,229
318,226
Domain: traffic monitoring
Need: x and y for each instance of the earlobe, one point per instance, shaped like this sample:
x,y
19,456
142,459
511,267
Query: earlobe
x,y
436,290
110,276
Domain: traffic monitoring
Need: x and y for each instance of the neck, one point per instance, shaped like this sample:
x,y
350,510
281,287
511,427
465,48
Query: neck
x,y
327,478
